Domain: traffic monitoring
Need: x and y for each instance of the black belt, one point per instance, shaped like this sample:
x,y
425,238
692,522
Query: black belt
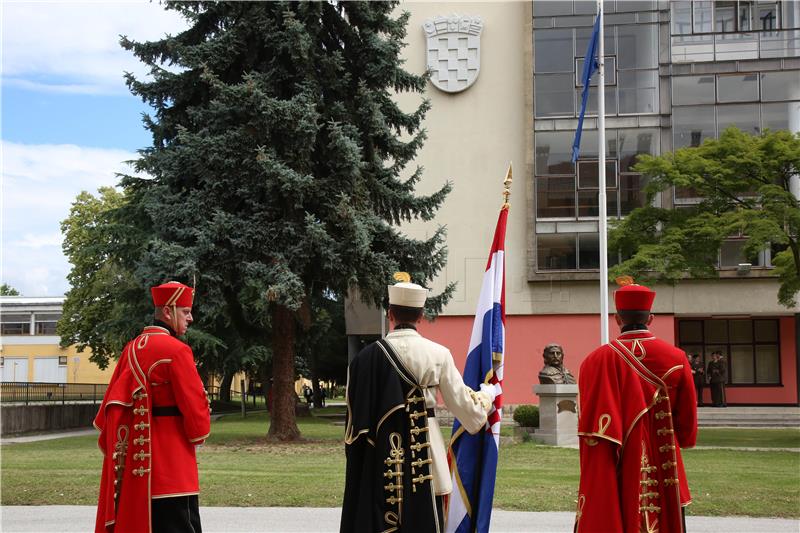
x,y
431,412
167,410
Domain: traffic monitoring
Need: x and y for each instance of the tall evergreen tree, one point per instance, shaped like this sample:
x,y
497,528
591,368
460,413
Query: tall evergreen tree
x,y
277,167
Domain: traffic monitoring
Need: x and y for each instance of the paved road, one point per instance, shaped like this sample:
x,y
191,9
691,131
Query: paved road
x,y
74,518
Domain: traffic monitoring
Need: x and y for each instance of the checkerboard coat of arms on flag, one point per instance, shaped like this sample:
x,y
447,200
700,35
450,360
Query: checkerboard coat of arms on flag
x,y
453,51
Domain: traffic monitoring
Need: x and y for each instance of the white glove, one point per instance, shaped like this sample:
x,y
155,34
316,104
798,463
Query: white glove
x,y
489,390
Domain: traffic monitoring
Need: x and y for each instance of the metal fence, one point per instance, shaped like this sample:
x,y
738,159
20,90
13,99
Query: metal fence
x,y
27,393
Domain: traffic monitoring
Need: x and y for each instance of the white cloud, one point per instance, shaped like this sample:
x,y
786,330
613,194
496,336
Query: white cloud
x,y
39,185
39,241
74,46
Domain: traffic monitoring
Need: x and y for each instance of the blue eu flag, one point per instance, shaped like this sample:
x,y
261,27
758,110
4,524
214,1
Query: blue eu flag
x,y
590,66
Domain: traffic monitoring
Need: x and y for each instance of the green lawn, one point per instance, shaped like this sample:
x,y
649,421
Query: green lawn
x,y
749,438
238,467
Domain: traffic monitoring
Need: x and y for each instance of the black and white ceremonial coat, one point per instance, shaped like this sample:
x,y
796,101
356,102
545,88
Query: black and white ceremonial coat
x,y
389,482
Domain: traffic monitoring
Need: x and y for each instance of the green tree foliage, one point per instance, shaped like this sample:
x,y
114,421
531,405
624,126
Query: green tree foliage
x,y
8,290
106,305
743,182
278,169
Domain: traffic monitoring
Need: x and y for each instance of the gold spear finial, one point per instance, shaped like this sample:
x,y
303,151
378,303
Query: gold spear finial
x,y
507,187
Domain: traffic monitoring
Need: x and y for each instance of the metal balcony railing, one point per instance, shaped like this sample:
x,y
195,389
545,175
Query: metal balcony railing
x,y
735,46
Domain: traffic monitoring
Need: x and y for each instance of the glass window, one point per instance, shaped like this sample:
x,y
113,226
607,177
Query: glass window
x,y
690,90
634,142
738,88
702,16
588,251
556,251
555,197
638,46
692,125
635,5
585,7
15,324
724,16
780,85
590,143
554,152
716,331
681,18
744,116
582,36
631,193
588,176
776,116
767,16
589,203
554,95
731,254
766,330
690,331
594,81
638,91
752,358
553,50
741,364
549,8
745,16
768,364
591,103
741,331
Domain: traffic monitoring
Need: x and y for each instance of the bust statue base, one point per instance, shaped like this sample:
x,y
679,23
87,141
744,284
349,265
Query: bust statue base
x,y
558,415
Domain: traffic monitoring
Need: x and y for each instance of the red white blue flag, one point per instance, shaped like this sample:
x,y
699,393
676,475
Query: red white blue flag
x,y
473,458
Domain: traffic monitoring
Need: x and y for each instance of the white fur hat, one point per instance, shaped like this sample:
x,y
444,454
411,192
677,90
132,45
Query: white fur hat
x,y
406,293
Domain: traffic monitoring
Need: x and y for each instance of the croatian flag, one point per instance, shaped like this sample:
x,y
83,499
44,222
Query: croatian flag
x,y
473,458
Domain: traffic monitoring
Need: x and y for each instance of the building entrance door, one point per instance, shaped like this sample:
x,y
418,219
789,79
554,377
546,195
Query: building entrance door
x,y
47,370
15,369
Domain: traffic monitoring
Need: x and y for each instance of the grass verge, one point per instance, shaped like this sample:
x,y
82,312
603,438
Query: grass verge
x,y
239,468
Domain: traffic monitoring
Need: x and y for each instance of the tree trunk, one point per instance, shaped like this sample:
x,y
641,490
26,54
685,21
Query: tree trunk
x,y
225,386
283,426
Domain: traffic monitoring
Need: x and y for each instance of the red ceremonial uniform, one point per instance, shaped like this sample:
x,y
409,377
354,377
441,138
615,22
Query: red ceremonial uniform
x,y
638,407
147,455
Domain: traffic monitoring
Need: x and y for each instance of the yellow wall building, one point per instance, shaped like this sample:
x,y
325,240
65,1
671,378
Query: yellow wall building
x,y
29,346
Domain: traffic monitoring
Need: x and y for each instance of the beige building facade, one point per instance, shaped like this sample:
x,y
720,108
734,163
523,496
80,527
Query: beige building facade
x,y
510,113
30,350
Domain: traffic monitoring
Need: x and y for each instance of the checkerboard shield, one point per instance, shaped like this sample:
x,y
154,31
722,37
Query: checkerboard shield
x,y
453,51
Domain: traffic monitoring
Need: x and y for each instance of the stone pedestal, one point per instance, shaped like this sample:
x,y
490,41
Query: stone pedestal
x,y
558,415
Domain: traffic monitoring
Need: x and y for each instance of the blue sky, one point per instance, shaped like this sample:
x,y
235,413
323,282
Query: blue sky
x,y
68,121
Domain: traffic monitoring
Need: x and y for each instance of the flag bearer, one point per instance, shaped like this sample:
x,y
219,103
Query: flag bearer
x,y
397,468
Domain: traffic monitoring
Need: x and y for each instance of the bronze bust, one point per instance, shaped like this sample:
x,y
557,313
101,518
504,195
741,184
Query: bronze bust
x,y
554,372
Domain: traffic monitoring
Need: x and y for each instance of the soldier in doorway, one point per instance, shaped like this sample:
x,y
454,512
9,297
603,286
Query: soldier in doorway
x,y
717,373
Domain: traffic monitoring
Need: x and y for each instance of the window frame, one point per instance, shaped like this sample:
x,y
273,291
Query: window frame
x,y
754,18
707,347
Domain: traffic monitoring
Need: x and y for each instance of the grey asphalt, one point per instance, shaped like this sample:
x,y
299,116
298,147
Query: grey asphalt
x,y
80,518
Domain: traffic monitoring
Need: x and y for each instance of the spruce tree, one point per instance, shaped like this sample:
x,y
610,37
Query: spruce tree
x,y
278,168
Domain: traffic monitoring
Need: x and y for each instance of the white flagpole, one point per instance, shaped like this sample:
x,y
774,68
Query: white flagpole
x,y
601,137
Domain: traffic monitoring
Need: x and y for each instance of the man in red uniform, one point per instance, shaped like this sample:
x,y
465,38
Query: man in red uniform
x,y
154,413
637,409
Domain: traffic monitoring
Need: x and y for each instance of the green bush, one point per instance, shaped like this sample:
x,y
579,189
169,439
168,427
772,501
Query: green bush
x,y
527,416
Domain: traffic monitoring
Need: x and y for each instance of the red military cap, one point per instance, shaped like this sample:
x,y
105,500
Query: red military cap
x,y
633,297
172,293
